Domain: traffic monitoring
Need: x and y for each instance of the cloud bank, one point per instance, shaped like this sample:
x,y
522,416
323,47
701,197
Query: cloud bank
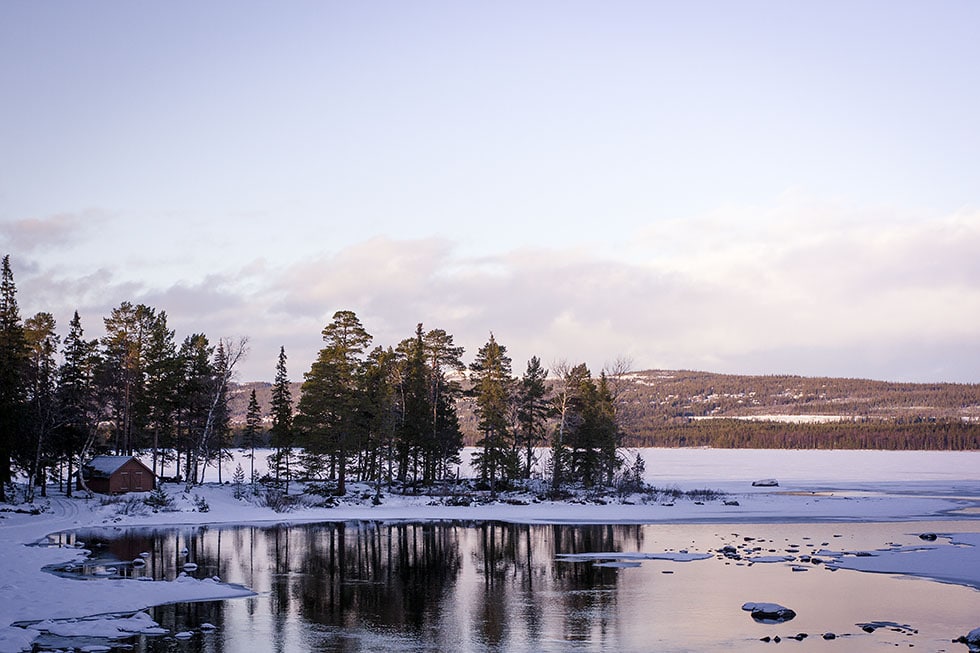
x,y
800,287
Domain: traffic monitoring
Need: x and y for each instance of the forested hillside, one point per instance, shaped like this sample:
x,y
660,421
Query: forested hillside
x,y
676,408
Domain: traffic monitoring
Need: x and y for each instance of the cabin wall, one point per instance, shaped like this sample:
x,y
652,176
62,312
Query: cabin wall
x,y
131,477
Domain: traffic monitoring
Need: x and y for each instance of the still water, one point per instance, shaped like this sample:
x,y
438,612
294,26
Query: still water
x,y
490,586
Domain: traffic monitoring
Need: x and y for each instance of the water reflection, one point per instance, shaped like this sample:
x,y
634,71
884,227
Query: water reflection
x,y
489,586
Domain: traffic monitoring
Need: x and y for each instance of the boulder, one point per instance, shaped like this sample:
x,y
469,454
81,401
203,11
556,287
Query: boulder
x,y
766,482
769,613
971,639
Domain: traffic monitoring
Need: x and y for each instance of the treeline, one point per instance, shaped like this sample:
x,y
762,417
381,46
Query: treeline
x,y
134,390
387,414
380,414
939,434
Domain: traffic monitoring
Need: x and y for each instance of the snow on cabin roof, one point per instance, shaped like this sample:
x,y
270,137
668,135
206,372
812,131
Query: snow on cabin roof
x,y
107,464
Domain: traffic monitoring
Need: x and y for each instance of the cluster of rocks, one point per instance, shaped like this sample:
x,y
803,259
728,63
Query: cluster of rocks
x,y
798,637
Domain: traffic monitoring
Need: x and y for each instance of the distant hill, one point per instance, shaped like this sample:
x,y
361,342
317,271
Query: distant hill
x,y
688,408
685,408
669,394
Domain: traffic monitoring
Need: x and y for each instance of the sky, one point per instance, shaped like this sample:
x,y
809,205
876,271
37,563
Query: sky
x,y
754,187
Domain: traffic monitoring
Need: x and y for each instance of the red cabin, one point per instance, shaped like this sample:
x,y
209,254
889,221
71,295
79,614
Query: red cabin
x,y
116,475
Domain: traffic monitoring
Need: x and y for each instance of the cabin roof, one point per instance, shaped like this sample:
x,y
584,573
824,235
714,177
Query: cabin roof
x,y
107,465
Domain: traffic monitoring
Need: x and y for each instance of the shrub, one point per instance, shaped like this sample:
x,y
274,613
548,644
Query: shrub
x,y
321,489
238,479
158,500
132,506
278,500
201,503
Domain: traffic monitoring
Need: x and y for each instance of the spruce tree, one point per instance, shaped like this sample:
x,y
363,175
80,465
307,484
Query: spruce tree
x,y
282,421
194,401
163,377
415,408
41,415
379,416
492,384
532,410
78,404
253,423
13,384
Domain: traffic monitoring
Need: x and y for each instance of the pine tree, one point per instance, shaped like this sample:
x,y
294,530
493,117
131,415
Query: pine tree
x,y
163,377
492,385
220,416
594,440
330,399
78,404
566,403
282,421
532,410
379,416
194,401
238,480
415,408
124,376
253,423
443,447
42,345
13,362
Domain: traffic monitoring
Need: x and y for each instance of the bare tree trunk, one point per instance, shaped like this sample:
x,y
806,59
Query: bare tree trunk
x,y
235,353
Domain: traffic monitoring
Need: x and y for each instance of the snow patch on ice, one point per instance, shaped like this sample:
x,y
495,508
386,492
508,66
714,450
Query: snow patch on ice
x,y
673,556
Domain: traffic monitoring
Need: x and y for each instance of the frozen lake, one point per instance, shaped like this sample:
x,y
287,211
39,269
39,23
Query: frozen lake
x,y
837,541
703,466
491,586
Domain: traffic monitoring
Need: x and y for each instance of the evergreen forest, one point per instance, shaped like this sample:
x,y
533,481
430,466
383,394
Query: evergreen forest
x,y
385,414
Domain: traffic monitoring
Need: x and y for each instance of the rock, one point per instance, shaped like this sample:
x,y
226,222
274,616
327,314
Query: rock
x,y
769,613
829,636
972,640
766,482
928,537
731,503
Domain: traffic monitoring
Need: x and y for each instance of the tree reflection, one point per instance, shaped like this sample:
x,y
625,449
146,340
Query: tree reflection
x,y
435,583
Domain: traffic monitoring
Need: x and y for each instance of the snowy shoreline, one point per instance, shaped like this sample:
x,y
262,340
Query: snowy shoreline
x,y
943,488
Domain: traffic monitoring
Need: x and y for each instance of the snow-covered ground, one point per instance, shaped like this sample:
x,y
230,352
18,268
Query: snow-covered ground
x,y
843,486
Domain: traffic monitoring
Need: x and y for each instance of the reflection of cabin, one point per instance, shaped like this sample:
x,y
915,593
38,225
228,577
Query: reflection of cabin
x,y
117,474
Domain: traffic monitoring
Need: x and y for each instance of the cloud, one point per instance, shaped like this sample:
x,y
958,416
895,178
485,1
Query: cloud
x,y
801,287
774,295
31,234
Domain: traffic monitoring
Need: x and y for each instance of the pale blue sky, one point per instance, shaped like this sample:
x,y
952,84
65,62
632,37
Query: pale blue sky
x,y
734,186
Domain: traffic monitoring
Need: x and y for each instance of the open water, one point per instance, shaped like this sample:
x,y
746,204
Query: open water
x,y
492,586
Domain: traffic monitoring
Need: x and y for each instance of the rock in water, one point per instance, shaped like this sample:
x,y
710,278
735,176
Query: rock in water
x,y
972,640
766,482
769,613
